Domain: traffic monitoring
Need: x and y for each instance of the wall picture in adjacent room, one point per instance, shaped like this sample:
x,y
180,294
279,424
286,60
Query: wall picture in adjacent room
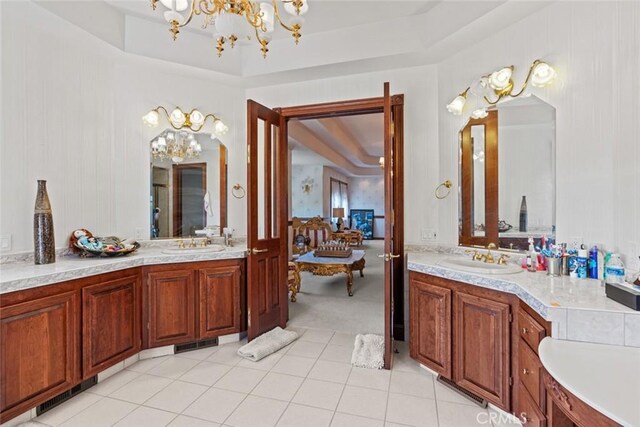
x,y
362,219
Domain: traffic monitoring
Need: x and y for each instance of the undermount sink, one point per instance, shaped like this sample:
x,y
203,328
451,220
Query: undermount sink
x,y
196,250
479,266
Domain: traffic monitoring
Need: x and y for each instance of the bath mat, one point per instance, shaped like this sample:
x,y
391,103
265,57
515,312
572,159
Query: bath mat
x,y
267,343
368,351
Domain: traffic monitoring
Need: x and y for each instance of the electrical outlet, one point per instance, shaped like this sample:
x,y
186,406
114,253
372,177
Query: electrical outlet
x,y
574,242
428,234
5,243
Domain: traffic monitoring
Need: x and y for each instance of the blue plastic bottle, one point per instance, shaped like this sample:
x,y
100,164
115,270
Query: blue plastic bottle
x,y
593,262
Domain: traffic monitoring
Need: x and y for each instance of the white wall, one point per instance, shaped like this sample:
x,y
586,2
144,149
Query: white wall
x,y
595,47
329,173
72,108
306,205
368,193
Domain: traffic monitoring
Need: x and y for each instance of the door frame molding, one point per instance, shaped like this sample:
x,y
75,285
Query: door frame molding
x,y
370,106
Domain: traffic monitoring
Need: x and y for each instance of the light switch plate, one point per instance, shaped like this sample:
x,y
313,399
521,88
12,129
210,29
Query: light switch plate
x,y
5,243
429,234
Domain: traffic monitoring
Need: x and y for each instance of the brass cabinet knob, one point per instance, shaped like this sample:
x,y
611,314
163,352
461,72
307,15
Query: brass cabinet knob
x,y
524,418
525,371
525,331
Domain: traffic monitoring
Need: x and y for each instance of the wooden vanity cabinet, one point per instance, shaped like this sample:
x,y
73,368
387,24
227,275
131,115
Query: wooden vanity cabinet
x,y
463,333
191,302
39,351
111,319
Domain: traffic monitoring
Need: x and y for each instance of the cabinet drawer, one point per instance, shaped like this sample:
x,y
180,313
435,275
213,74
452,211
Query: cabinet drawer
x,y
530,373
530,330
528,412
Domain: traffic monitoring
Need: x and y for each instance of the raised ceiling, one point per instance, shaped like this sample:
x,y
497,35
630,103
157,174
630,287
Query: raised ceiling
x,y
339,36
352,145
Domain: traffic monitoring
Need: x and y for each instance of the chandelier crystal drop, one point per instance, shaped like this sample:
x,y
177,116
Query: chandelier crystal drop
x,y
236,20
177,146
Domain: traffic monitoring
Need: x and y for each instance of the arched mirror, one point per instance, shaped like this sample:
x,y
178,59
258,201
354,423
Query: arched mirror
x,y
188,185
507,175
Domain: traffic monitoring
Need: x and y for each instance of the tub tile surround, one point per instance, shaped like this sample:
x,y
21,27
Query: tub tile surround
x,y
25,275
578,309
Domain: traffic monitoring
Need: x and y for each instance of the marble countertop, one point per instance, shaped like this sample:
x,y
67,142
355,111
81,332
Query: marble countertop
x,y
541,292
24,275
606,377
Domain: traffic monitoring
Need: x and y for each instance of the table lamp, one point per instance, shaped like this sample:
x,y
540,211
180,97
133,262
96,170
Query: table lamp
x,y
339,213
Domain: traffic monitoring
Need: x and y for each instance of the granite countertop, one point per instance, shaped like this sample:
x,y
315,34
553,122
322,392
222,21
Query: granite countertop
x,y
541,292
606,377
25,275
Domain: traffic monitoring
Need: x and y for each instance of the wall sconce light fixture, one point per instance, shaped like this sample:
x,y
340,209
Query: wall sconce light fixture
x,y
178,119
501,83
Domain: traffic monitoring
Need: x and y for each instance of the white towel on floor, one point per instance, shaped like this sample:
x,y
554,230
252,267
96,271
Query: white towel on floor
x,y
368,351
267,343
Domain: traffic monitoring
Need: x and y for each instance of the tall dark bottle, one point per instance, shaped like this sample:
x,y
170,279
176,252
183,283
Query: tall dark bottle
x,y
523,214
44,245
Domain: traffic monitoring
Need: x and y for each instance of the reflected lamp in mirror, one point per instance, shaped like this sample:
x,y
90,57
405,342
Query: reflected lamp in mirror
x,y
193,120
499,84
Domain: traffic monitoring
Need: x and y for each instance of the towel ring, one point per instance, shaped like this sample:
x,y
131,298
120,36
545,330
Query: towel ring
x,y
447,184
234,191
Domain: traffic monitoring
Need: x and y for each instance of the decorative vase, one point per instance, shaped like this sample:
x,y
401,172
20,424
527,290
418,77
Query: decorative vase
x,y
44,245
523,214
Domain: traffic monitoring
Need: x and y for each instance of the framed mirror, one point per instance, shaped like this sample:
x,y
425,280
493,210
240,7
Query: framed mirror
x,y
188,194
507,175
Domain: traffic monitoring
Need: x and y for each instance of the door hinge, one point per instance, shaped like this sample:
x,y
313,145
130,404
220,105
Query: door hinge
x,y
148,325
248,318
510,317
510,381
248,154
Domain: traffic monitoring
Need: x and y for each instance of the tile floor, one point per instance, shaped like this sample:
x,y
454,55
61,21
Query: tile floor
x,y
309,383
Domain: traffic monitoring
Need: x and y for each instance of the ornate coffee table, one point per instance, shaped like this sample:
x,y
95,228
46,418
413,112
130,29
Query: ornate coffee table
x,y
324,266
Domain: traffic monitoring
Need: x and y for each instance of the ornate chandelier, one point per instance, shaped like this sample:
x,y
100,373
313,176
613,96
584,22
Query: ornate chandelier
x,y
177,146
236,20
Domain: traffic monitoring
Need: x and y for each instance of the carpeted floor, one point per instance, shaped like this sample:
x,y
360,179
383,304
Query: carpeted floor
x,y
323,302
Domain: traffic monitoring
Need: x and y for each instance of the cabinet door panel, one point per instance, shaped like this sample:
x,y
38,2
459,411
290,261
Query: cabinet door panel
x,y
219,301
171,307
110,323
481,347
39,342
430,325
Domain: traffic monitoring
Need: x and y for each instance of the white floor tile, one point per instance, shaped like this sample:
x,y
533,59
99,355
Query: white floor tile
x,y
411,410
278,386
68,409
330,371
321,336
242,380
141,388
257,411
200,354
184,421
263,364
418,384
319,394
294,365
344,339
143,366
205,373
173,367
348,420
370,378
299,415
215,405
454,415
227,355
336,353
306,349
146,417
176,397
365,402
104,413
114,382
446,394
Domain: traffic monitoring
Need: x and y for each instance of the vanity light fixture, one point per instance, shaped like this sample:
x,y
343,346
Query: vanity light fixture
x,y
236,20
501,83
193,120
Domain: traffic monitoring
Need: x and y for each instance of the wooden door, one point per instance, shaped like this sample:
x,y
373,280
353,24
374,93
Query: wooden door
x,y
267,219
39,349
430,325
111,320
481,347
171,307
219,300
